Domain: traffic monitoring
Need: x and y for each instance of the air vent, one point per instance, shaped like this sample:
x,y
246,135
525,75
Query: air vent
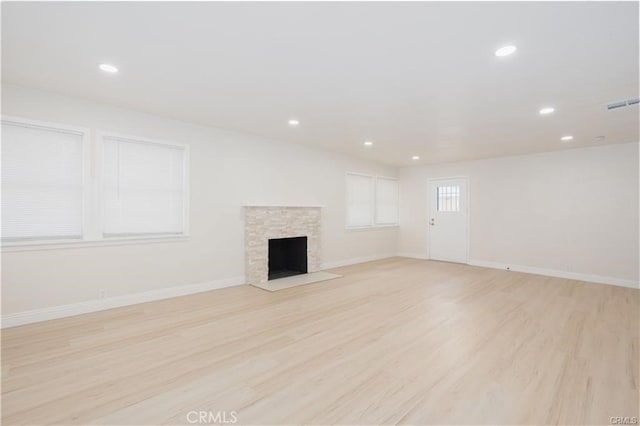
x,y
617,105
622,104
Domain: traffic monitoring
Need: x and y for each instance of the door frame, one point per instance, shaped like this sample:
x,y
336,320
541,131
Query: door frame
x,y
468,213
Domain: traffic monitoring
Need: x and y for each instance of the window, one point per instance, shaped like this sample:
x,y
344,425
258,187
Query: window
x,y
386,201
42,181
449,198
144,190
53,193
371,201
359,200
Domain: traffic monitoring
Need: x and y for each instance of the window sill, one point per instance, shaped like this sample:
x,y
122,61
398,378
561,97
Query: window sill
x,y
62,245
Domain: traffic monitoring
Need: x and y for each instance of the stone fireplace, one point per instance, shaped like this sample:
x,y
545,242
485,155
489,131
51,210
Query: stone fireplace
x,y
290,225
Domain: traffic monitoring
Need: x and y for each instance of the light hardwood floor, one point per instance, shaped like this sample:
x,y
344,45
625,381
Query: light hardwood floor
x,y
393,341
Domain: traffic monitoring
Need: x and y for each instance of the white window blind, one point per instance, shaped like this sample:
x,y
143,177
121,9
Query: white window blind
x,y
359,200
386,201
42,182
144,188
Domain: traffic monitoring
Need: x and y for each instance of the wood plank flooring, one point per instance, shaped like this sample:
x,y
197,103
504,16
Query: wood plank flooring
x,y
397,341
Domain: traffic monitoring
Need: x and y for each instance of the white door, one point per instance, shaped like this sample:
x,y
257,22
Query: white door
x,y
448,219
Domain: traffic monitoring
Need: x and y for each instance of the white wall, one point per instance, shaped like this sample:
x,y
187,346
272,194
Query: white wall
x,y
228,169
569,213
572,211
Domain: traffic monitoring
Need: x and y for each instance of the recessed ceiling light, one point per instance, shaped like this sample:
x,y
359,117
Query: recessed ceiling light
x,y
368,143
108,68
566,138
293,122
506,50
547,110
415,157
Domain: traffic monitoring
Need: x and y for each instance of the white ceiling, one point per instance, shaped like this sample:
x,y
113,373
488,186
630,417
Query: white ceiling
x,y
415,78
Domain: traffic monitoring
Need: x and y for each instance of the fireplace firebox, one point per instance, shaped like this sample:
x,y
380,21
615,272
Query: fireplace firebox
x,y
287,256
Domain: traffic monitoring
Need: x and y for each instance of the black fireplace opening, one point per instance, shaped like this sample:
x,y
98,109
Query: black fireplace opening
x,y
287,256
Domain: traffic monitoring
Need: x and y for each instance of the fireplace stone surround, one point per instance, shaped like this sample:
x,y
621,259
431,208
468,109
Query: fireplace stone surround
x,y
262,223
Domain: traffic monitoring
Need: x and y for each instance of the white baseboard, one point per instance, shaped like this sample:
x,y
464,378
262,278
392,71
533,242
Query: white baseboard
x,y
414,255
541,271
54,312
355,260
556,273
45,314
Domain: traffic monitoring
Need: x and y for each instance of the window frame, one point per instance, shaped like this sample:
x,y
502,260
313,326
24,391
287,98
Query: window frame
x,y
346,201
454,207
375,202
100,190
92,191
85,134
373,224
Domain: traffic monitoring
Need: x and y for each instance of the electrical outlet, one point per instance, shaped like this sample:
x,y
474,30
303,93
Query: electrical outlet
x,y
101,293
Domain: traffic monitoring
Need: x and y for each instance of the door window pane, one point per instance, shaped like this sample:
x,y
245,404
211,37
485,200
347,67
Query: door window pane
x,y
449,198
